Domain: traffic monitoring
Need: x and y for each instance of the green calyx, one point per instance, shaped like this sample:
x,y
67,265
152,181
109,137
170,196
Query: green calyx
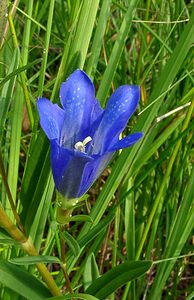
x,y
65,207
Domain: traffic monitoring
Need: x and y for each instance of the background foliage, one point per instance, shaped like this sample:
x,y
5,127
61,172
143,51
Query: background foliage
x,y
141,208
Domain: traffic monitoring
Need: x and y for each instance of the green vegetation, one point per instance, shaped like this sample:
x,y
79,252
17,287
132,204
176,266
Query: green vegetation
x,y
135,227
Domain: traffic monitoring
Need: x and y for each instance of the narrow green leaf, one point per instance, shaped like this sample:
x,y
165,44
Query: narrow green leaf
x,y
96,230
14,154
116,53
91,271
169,129
7,241
74,296
5,238
37,228
130,221
118,276
90,236
72,243
46,48
181,229
80,218
21,282
190,297
98,38
7,90
19,70
84,29
35,178
31,260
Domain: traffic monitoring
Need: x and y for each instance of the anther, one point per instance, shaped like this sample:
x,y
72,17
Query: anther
x,y
81,146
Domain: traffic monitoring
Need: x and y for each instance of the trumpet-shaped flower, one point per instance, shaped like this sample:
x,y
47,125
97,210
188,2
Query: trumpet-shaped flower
x,y
82,135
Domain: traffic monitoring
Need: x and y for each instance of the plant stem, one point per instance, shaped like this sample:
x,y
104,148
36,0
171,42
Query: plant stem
x,y
4,178
27,245
68,283
63,265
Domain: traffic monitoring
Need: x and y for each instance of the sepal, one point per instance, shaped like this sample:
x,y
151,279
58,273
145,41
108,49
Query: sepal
x,y
66,207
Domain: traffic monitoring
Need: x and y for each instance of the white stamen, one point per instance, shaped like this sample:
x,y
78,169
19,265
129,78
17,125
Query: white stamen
x,y
87,140
80,146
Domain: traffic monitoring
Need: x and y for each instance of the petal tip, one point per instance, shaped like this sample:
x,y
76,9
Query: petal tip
x,y
41,101
141,134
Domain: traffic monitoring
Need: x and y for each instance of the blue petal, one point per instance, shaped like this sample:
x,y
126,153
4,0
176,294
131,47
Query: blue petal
x,y
92,171
67,168
51,118
96,112
126,141
77,96
96,117
120,107
94,168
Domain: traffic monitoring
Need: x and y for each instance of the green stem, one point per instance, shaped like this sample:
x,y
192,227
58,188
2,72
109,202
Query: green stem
x,y
63,265
63,215
27,245
11,202
68,283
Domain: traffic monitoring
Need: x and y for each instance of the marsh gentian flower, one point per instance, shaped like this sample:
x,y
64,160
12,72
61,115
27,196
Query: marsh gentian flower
x,y
82,135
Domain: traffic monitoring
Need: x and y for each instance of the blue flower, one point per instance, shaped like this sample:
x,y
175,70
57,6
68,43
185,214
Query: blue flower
x,y
82,135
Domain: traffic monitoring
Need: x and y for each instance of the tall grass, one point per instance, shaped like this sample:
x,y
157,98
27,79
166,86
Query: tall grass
x,y
141,208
